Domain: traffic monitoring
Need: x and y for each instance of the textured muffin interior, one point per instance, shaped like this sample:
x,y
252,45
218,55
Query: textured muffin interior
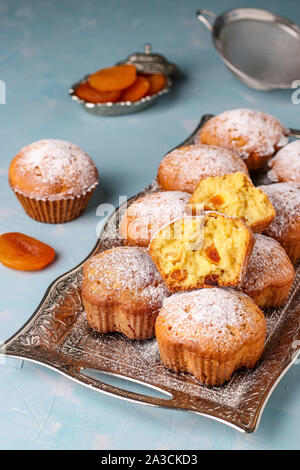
x,y
233,195
189,255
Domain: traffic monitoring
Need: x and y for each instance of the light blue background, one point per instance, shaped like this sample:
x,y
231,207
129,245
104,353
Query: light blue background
x,y
45,46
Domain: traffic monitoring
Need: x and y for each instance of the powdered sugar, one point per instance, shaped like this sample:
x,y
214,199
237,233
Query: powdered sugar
x,y
285,198
186,166
213,312
56,166
268,265
127,268
286,164
148,214
247,131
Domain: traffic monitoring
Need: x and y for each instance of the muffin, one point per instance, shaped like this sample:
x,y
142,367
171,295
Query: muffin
x,y
148,214
210,333
122,291
234,195
253,135
285,166
285,228
53,180
196,252
183,168
270,273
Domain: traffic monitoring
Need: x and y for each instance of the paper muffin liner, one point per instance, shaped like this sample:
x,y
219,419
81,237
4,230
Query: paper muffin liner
x,y
55,211
209,371
114,318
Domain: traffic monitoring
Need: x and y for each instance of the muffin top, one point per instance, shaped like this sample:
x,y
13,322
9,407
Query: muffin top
x,y
285,198
245,131
52,169
148,214
212,319
269,265
286,164
183,168
125,275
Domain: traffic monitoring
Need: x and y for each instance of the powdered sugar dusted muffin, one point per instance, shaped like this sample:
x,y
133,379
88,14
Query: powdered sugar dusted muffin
x,y
254,135
183,168
122,291
210,333
148,214
270,273
285,228
285,166
53,179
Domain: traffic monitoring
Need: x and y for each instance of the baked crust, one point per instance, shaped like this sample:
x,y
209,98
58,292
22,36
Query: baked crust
x,y
183,168
270,273
53,180
254,135
285,228
285,166
210,333
149,213
122,291
196,252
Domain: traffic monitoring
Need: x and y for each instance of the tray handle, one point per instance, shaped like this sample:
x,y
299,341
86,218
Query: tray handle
x,y
135,397
295,133
201,15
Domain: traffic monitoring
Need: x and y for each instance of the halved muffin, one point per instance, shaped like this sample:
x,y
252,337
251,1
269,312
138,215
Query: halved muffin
x,y
195,252
234,195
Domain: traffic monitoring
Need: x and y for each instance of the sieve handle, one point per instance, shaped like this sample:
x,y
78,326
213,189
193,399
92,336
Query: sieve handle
x,y
201,15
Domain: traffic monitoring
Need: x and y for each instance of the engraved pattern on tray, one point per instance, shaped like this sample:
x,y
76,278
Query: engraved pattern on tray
x,y
58,336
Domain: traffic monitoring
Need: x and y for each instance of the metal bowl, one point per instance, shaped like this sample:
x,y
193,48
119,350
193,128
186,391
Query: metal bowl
x,y
145,62
121,107
260,48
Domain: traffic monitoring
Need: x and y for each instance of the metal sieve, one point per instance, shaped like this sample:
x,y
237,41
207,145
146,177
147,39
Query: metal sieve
x,y
260,48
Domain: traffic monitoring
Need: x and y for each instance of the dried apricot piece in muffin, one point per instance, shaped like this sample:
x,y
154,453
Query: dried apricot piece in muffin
x,y
210,333
236,196
113,78
195,252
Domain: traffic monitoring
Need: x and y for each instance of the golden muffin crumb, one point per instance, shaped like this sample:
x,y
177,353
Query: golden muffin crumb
x,y
234,195
209,250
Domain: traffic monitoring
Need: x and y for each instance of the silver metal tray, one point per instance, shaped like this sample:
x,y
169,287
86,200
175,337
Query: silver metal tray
x,y
58,337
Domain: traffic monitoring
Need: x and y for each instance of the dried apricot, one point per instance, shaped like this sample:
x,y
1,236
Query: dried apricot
x,y
19,251
157,82
114,78
217,200
212,254
85,92
136,91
